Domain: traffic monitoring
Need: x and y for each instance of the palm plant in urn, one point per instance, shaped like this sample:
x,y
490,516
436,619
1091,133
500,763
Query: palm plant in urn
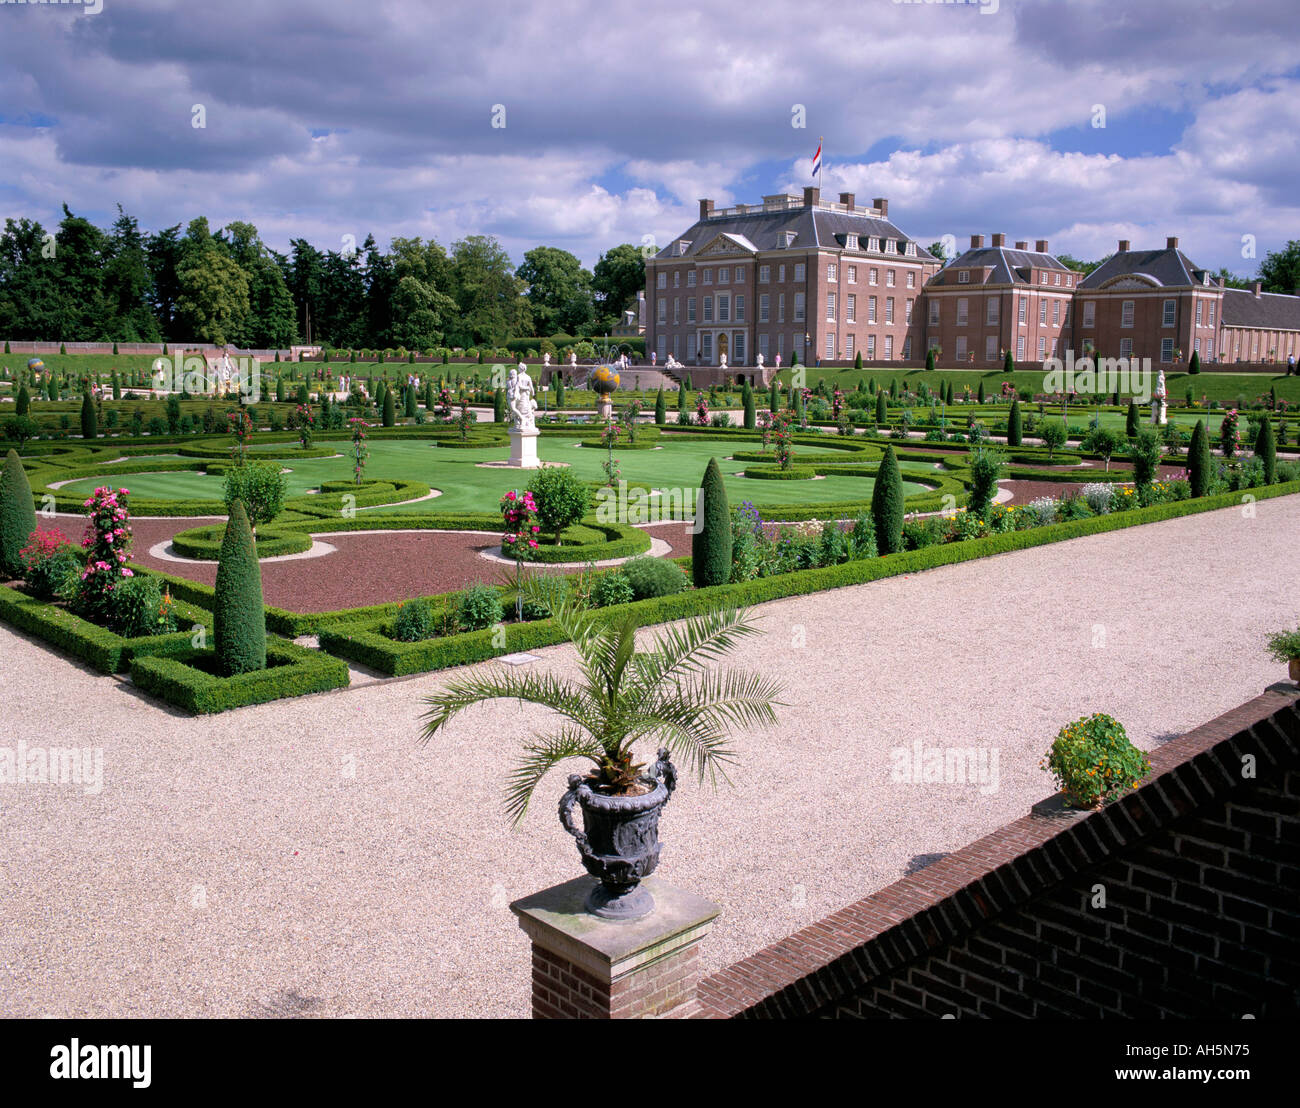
x,y
669,697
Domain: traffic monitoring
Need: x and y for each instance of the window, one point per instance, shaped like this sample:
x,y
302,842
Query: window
x,y
738,347
706,346
1058,279
1166,350
873,276
690,279
851,309
1200,306
991,314
1042,279
889,347
798,271
891,246
911,253
963,277
873,244
764,274
889,309
780,307
662,311
1024,310
871,347
934,312
677,310
1042,347
832,272
934,344
690,309
1020,348
677,278
661,345
796,345
690,347
908,309
1056,313
677,346
848,345
764,345
907,343
961,348
889,278
798,307
1209,349
830,307
1042,313
661,280
764,308
871,309
1126,348
1171,308
963,310
708,276
1126,314
1209,314
724,276
724,308
911,279
830,345
850,242
853,275
990,347
780,273
1090,313
708,309
740,277
780,342
740,310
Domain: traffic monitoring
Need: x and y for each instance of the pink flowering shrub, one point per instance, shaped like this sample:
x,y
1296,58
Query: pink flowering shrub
x,y
519,511
108,550
49,560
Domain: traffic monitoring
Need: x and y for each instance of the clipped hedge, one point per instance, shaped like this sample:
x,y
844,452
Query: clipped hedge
x,y
205,542
98,647
775,473
291,671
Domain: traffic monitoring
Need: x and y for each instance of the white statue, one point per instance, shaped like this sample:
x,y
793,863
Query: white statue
x,y
1159,405
519,398
546,361
759,361
722,361
573,360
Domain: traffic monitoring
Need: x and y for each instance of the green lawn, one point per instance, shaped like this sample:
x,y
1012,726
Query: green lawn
x,y
467,487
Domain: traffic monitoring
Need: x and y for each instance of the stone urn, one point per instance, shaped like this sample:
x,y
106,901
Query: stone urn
x,y
619,839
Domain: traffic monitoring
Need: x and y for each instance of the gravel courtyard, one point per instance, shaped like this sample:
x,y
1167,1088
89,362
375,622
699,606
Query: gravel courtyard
x,y
309,858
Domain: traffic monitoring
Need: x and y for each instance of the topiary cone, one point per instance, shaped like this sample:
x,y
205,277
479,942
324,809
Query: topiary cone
x,y
1014,431
1198,459
711,542
1266,450
17,514
238,617
887,504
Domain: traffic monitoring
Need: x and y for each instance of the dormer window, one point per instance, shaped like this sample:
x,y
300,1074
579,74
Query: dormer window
x,y
911,250
850,242
873,244
891,246
963,277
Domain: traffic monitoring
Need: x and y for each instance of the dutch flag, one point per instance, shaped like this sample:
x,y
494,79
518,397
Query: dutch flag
x,y
817,162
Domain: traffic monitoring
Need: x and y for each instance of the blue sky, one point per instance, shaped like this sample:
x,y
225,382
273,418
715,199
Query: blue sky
x,y
333,118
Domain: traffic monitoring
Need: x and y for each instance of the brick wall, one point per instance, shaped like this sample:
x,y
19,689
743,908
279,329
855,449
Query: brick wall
x,y
1180,900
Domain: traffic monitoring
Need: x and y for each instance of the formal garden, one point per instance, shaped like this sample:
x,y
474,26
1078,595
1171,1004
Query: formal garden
x,y
805,490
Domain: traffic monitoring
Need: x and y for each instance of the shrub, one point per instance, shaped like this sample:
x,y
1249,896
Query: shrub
x,y
985,469
612,588
17,515
1015,433
650,577
862,537
1145,452
882,409
50,562
23,405
1198,460
661,410
1266,450
1283,646
260,486
139,607
887,504
89,421
562,498
1131,420
1053,436
390,409
711,540
238,617
415,621
108,549
1094,760
1102,442
1099,496
478,607
1043,509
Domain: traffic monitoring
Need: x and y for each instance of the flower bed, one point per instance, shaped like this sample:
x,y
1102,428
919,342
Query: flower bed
x,y
189,679
205,542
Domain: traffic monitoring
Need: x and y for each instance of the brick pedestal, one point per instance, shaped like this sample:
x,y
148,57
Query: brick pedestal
x,y
589,968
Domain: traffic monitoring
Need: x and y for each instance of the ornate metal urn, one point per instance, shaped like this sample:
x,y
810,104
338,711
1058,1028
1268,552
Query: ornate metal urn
x,y
619,839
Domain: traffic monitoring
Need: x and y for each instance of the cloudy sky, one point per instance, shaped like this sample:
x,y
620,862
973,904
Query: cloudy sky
x,y
337,117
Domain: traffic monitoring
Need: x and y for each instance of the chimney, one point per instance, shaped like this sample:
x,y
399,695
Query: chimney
x,y
1040,246
976,241
811,194
1124,245
1022,246
1171,243
882,205
999,239
1257,288
706,209
847,198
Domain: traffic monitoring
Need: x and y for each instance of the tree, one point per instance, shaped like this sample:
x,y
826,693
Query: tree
x,y
711,539
1280,270
238,617
559,290
408,408
260,487
23,404
681,402
980,396
882,409
936,249
666,694
1145,452
857,360
498,405
562,499
89,422
1198,460
390,409
1103,442
17,515
212,302
774,396
929,360
747,399
617,277
661,408
1015,432
1194,366
1266,450
1053,435
985,469
887,504
1131,422
1008,362
487,293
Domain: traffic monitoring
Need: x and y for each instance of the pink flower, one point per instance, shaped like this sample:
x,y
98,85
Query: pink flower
x,y
532,543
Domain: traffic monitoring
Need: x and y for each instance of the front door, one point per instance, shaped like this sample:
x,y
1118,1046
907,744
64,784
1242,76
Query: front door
x,y
722,346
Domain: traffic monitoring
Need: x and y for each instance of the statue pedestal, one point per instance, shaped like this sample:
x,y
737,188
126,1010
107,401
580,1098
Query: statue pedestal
x,y
604,408
1159,411
523,449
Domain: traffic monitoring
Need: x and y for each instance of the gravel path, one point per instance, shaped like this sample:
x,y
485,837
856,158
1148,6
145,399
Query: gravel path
x,y
307,857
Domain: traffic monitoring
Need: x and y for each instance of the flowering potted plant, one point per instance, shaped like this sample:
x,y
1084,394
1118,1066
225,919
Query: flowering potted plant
x,y
1094,760
1284,646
